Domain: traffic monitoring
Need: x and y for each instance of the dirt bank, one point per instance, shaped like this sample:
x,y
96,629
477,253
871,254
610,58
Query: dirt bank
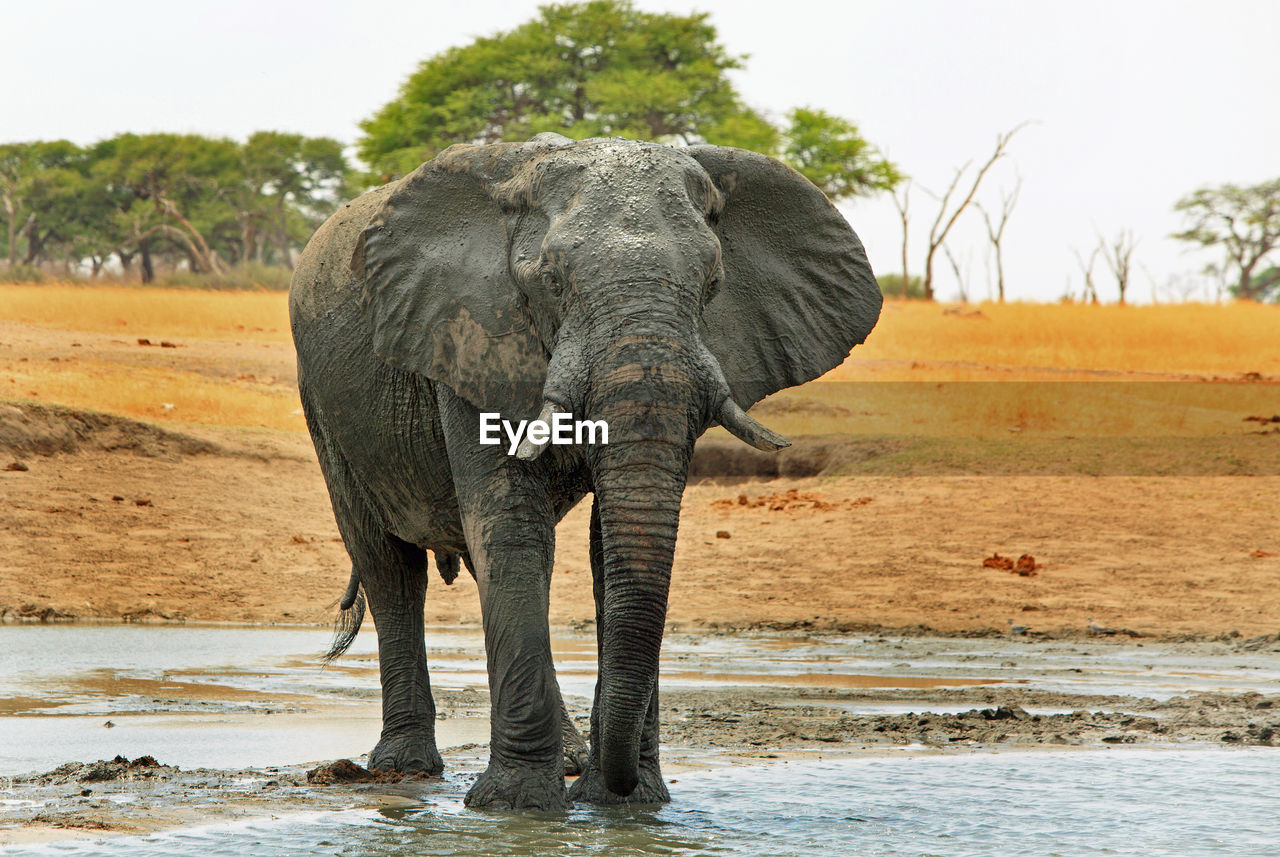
x,y
109,519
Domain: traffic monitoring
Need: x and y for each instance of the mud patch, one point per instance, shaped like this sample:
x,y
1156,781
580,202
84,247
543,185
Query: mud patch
x,y
347,772
718,457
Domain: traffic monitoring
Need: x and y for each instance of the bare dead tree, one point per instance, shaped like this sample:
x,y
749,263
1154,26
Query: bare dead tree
x,y
962,279
1090,292
902,205
996,232
1118,254
947,217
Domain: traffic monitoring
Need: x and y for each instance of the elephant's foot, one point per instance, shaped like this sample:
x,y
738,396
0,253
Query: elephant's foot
x,y
412,753
590,787
576,752
519,787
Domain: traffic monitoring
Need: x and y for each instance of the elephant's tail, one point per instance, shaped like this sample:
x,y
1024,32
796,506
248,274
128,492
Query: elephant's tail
x,y
350,617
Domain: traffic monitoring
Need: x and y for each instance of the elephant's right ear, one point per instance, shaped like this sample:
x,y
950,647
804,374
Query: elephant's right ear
x,y
438,293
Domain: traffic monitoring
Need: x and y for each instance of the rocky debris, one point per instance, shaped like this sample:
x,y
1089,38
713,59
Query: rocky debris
x,y
1023,566
150,614
760,719
72,821
345,771
1262,643
103,770
34,613
789,501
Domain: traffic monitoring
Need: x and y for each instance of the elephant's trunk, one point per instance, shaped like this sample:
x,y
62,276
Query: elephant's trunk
x,y
654,400
638,532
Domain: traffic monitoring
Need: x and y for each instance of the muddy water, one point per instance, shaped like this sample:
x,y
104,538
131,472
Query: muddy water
x,y
237,698
1134,802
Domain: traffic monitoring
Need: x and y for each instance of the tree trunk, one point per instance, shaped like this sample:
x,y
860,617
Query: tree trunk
x,y
35,242
283,236
1246,282
248,241
198,248
13,231
148,268
999,274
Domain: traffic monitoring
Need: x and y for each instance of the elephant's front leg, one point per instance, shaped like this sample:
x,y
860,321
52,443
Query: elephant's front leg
x,y
590,786
509,523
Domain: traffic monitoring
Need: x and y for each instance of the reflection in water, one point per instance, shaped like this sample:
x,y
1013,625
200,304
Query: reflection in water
x,y
1119,802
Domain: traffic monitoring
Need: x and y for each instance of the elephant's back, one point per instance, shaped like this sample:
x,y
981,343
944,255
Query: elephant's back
x,y
322,279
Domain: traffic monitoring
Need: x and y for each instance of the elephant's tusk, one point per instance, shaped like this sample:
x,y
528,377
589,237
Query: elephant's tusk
x,y
745,429
528,450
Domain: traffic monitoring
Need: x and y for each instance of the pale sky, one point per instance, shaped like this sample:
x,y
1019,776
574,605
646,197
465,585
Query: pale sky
x,y
1136,102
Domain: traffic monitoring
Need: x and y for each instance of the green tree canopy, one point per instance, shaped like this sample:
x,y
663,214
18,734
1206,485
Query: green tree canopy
x,y
829,152
1244,221
211,202
604,68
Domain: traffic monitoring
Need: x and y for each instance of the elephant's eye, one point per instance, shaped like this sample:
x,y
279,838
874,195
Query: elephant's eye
x,y
551,278
710,289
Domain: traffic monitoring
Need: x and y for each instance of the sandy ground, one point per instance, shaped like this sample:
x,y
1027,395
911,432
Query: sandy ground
x,y
133,522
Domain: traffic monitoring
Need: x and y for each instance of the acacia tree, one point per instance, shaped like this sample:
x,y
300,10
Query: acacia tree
x,y
37,179
605,68
288,184
1242,220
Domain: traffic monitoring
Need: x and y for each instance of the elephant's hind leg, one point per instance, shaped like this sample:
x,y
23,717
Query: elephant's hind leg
x,y
393,574
396,591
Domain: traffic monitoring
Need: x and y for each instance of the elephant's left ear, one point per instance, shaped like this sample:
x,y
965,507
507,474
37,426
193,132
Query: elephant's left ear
x,y
437,289
798,292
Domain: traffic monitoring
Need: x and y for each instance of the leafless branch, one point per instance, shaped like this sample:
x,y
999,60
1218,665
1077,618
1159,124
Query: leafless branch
x,y
996,233
1090,292
947,217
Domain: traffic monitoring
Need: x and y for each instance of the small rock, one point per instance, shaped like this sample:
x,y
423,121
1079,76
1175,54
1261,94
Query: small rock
x,y
17,467
142,501
722,534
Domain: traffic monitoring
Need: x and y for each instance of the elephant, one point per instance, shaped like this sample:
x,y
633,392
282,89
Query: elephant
x,y
655,289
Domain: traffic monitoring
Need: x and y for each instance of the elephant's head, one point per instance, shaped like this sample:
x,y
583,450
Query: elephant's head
x,y
662,290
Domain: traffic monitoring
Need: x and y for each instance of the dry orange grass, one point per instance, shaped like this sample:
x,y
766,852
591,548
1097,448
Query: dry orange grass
x,y
1021,409
154,313
1041,340
1039,345
154,393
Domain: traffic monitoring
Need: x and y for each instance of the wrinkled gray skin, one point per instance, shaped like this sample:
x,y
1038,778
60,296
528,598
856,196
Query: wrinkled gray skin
x,y
662,290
